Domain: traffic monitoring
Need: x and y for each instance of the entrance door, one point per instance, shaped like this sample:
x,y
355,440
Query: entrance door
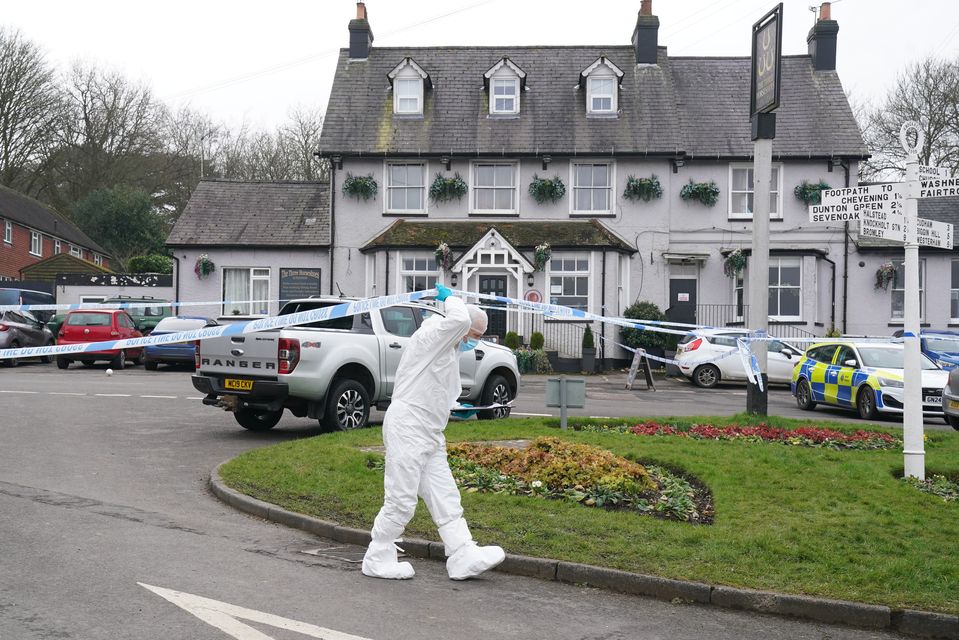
x,y
495,286
682,300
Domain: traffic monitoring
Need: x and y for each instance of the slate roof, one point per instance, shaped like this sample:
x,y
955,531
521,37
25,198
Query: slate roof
x,y
28,212
693,106
522,235
250,213
48,270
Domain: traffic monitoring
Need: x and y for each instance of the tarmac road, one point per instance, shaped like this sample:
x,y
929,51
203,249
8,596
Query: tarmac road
x,y
103,489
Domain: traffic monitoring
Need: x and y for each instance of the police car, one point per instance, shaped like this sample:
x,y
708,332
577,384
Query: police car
x,y
865,376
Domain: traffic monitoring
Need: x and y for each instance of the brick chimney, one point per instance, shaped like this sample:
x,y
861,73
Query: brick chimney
x,y
822,40
361,36
646,34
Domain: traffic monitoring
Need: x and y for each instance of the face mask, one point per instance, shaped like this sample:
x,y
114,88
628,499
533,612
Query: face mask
x,y
469,345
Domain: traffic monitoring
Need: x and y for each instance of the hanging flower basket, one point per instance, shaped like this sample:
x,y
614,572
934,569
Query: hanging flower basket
x,y
644,189
541,255
885,274
734,263
444,257
546,189
704,192
360,186
810,192
204,266
445,189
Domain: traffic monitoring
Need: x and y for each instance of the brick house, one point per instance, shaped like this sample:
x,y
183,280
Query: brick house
x,y
33,232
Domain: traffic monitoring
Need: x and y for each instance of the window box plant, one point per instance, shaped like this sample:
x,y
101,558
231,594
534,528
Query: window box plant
x,y
444,257
541,255
644,189
204,266
445,189
810,192
364,187
546,189
705,192
885,274
734,263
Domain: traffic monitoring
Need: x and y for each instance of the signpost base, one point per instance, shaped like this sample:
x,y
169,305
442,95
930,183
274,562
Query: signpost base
x,y
757,402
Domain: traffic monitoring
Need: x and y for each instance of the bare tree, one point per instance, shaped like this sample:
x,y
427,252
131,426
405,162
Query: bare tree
x,y
927,92
30,109
111,136
302,135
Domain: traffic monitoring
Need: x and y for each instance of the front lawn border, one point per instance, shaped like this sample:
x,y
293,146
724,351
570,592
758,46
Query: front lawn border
x,y
856,614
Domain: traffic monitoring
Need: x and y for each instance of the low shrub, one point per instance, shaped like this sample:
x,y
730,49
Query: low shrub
x,y
512,340
532,361
536,341
640,338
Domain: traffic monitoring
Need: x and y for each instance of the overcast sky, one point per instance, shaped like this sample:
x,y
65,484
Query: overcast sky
x,y
240,60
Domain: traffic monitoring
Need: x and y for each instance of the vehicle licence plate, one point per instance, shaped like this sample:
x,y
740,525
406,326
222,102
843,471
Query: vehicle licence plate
x,y
954,404
933,399
237,385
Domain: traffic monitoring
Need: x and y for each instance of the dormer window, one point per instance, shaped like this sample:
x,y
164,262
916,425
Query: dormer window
x,y
602,80
408,95
505,98
504,81
409,82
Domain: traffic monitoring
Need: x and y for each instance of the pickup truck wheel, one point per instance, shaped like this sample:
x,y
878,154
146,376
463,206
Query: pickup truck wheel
x,y
257,419
495,391
348,406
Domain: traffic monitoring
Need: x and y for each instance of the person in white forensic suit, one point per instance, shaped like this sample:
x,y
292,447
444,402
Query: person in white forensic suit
x,y
426,387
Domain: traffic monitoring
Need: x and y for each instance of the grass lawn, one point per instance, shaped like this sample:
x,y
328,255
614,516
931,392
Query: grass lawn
x,y
792,519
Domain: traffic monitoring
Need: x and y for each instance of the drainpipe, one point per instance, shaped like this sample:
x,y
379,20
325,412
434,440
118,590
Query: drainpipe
x,y
387,292
332,220
602,325
176,282
832,305
845,256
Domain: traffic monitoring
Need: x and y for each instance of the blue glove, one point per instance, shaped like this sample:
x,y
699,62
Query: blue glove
x,y
442,293
464,415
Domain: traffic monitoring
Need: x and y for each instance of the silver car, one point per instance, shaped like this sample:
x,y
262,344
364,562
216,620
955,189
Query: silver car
x,y
23,329
950,399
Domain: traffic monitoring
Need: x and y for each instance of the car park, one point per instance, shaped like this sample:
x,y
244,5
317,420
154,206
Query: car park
x,y
942,347
864,376
704,357
19,329
176,353
98,325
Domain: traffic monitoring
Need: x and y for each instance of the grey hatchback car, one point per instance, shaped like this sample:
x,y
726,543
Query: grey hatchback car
x,y
23,329
950,399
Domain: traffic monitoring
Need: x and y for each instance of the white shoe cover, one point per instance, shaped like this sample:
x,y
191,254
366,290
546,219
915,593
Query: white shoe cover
x,y
380,562
471,560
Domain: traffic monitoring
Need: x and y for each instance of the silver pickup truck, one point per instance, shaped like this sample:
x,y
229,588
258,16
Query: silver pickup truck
x,y
335,370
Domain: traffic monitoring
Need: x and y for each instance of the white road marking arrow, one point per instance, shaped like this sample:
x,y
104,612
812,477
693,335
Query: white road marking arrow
x,y
226,617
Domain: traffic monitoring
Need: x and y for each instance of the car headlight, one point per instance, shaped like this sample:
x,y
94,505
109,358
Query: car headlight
x,y
945,364
889,382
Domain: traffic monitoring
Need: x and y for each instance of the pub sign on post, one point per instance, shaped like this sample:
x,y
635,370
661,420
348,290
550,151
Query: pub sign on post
x,y
766,62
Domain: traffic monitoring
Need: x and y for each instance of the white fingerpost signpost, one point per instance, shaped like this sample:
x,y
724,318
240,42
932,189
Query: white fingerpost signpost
x,y
912,427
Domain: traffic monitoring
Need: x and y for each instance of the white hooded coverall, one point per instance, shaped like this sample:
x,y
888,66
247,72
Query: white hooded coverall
x,y
426,386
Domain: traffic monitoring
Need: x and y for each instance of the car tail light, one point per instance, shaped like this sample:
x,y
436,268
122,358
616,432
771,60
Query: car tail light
x,y
692,346
3,327
196,354
288,353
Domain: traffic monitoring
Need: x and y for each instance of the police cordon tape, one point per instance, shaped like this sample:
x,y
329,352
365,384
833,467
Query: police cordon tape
x,y
335,311
121,305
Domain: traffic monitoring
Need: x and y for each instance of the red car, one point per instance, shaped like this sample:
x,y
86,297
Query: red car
x,y
98,325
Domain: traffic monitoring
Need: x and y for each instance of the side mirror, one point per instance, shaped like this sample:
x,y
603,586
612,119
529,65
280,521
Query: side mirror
x,y
850,363
787,353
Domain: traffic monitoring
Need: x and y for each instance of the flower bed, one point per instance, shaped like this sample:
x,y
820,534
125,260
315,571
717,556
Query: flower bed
x,y
555,469
801,436
938,485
